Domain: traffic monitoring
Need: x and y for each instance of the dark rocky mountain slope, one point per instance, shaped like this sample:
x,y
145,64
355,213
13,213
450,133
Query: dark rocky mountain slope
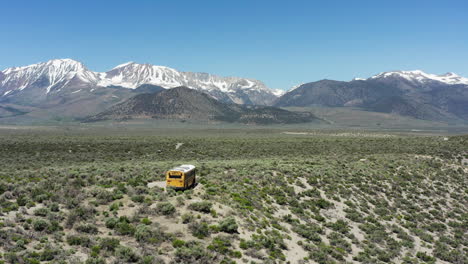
x,y
188,104
415,94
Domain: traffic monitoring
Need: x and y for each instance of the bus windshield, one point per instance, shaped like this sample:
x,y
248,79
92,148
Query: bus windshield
x,y
175,176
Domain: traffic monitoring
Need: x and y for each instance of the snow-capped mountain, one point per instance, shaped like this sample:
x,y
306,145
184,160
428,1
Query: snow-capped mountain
x,y
57,76
230,89
131,75
47,76
421,77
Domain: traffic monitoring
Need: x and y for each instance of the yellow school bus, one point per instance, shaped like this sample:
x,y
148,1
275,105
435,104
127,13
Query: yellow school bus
x,y
181,177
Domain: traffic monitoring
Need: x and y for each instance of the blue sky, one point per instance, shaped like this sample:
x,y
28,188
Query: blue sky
x,y
282,43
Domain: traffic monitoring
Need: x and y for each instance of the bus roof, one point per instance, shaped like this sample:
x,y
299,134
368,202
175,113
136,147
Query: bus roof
x,y
183,168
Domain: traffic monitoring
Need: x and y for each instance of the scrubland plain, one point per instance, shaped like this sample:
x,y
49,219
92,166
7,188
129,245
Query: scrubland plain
x,y
264,196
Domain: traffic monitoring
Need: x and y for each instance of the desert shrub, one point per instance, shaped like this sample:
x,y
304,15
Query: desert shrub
x,y
48,253
424,257
354,215
375,232
280,196
423,235
80,213
454,242
443,252
126,254
213,213
180,201
54,207
87,228
138,198
144,233
114,207
204,207
151,259
228,225
109,244
105,196
199,229
41,197
337,241
192,252
111,222
165,208
75,240
339,226
54,226
43,211
243,202
322,203
381,211
121,225
3,188
325,254
124,228
212,190
40,224
236,254
95,261
12,257
220,245
7,206
22,200
437,227
311,232
178,243
272,241
187,218
288,219
243,244
145,221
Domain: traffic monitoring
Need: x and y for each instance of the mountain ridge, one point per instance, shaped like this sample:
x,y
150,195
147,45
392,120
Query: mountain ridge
x,y
65,87
54,75
187,104
421,76
447,78
414,93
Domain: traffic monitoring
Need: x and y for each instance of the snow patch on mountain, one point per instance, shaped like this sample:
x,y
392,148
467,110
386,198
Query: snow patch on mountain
x,y
278,92
295,87
123,65
7,92
422,77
